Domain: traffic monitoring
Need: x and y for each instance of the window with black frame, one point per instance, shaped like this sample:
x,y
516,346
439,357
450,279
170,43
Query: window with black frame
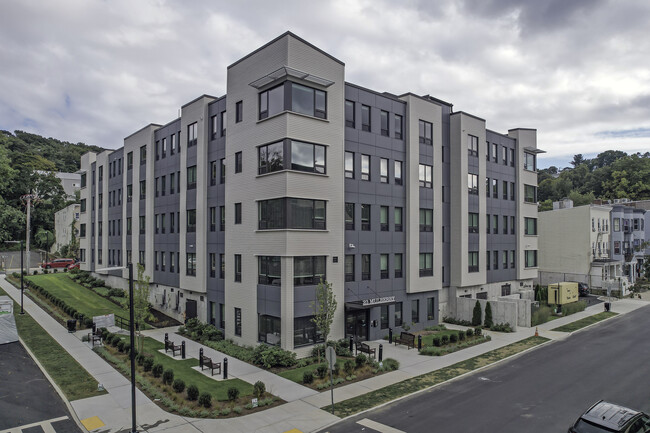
x,y
349,216
307,157
292,213
308,270
271,157
349,267
307,100
305,332
269,329
270,270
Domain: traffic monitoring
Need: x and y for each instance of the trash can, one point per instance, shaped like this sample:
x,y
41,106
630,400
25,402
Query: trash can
x,y
72,325
607,305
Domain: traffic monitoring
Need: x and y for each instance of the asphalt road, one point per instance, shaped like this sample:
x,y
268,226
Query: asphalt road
x,y
26,397
544,390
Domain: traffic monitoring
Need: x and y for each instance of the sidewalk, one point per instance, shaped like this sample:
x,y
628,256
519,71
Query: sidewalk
x,y
301,411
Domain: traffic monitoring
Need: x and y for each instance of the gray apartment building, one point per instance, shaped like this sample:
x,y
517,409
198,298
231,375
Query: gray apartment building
x,y
239,207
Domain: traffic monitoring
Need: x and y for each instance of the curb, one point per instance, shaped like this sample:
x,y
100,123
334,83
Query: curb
x,y
436,385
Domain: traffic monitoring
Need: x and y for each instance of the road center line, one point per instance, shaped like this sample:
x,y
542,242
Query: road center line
x,y
376,426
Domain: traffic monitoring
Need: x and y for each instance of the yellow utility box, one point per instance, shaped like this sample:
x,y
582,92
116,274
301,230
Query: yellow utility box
x,y
562,293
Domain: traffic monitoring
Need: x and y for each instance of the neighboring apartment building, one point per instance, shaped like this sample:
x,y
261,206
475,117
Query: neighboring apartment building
x,y
630,232
241,205
63,227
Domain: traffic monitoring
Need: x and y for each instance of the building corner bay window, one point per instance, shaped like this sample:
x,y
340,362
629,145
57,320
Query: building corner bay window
x,y
307,157
530,194
531,258
292,213
270,270
301,99
308,270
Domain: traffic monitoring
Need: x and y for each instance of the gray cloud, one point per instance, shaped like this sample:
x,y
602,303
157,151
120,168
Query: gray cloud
x,y
97,71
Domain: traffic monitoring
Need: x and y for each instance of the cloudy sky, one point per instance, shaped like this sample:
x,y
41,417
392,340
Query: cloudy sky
x,y
95,71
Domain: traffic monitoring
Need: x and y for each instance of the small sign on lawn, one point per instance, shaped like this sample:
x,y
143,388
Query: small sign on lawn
x,y
254,402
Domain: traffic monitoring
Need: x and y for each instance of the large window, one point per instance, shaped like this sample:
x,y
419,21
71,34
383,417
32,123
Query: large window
x,y
191,177
383,170
307,157
431,310
398,126
349,267
415,310
365,118
530,226
472,222
426,176
349,165
307,100
270,270
472,145
366,270
530,161
365,217
383,218
398,172
82,205
143,158
349,216
530,194
383,317
129,160
426,220
305,332
191,264
383,121
530,258
192,134
426,264
398,265
271,102
398,314
383,266
349,114
143,190
472,261
269,329
365,167
426,132
238,162
191,220
472,183
237,213
239,111
308,270
292,213
617,224
398,219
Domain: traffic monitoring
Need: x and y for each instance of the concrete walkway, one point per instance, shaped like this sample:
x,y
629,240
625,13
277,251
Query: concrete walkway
x,y
301,411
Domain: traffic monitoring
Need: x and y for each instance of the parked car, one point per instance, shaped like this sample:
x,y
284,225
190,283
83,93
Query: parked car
x,y
583,289
73,266
58,263
610,417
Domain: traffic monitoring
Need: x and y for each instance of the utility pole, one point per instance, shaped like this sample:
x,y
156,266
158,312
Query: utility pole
x,y
27,198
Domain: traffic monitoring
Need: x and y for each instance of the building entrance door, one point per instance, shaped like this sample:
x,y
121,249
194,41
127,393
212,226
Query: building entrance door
x,y
356,324
190,309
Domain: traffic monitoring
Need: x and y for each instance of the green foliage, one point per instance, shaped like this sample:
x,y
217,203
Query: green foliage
x,y
453,338
307,377
488,315
476,314
573,307
461,335
360,360
141,312
205,400
233,393
501,327
390,364
156,370
273,356
168,377
349,367
436,340
192,392
444,339
324,308
259,389
321,371
477,331
178,385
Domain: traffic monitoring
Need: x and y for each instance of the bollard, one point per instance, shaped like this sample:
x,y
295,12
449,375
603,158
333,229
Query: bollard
x,y
166,337
183,349
419,343
201,358
351,343
94,328
390,335
225,368
381,352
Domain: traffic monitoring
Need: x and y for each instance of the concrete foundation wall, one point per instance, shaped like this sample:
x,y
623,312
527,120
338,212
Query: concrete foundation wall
x,y
503,311
524,312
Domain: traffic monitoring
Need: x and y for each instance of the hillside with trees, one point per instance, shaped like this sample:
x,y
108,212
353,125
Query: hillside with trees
x,y
610,175
27,164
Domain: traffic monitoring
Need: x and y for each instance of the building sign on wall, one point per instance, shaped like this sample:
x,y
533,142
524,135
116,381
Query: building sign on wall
x,y
374,301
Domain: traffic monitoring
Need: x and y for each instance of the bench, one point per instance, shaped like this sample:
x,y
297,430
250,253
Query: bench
x,y
208,363
407,339
364,348
95,337
169,345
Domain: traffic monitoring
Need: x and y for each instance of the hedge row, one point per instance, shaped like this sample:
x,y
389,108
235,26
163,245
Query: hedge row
x,y
60,303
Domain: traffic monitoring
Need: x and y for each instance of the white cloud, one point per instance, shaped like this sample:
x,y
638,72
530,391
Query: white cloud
x,y
95,71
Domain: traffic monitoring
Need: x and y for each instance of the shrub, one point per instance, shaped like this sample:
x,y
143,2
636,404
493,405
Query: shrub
x,y
259,389
233,393
140,359
178,385
237,409
573,307
488,315
88,322
168,377
436,340
210,333
118,293
120,346
307,377
501,327
127,347
348,367
225,411
156,370
469,332
453,338
337,369
321,371
116,339
444,339
477,331
390,364
360,360
273,356
461,335
476,315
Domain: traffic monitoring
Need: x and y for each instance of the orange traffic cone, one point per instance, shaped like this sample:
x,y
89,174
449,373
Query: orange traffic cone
x,y
536,332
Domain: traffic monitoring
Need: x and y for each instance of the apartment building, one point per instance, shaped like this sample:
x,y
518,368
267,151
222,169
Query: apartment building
x,y
630,231
239,207
66,224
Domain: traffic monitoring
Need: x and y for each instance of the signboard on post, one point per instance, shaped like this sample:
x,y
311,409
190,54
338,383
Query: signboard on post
x,y
330,356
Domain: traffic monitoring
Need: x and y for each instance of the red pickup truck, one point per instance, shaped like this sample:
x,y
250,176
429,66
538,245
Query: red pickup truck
x,y
58,263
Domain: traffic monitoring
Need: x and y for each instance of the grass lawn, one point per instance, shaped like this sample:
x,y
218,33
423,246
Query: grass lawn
x,y
297,373
183,370
80,298
579,324
74,381
383,395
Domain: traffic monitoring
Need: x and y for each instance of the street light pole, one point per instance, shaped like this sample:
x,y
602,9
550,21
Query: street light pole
x,y
22,311
132,351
